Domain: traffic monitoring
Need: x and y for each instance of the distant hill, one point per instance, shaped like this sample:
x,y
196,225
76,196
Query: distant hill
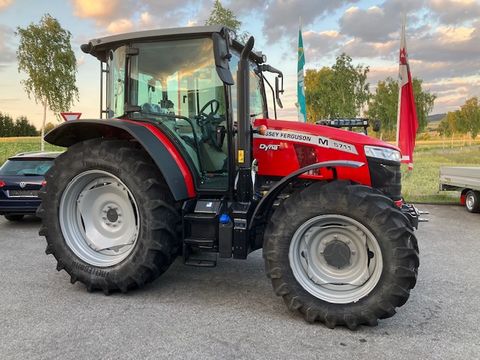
x,y
435,117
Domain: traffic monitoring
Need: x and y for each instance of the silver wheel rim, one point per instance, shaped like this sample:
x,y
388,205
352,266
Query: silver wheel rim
x,y
470,201
314,271
99,218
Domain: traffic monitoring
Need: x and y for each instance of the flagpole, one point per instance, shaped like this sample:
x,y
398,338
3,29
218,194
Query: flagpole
x,y
402,36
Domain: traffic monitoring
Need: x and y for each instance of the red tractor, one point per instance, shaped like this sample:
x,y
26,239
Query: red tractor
x,y
187,162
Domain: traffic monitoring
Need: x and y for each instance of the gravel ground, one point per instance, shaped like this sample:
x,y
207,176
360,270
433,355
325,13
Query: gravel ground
x,y
230,311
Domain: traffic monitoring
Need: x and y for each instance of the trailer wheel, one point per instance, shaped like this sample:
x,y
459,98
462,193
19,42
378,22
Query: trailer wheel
x,y
472,201
346,255
108,216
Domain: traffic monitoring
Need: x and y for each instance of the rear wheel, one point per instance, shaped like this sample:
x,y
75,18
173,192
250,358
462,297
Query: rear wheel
x,y
346,255
472,201
108,217
14,218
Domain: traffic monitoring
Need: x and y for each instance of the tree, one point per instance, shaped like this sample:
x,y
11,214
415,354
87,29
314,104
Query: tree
x,y
24,128
384,104
463,121
19,127
7,126
424,102
220,15
223,16
449,124
45,55
49,127
339,91
469,117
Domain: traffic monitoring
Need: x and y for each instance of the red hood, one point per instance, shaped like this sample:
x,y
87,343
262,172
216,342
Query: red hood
x,y
321,130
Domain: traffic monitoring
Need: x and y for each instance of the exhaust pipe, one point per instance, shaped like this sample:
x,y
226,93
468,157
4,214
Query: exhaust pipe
x,y
244,138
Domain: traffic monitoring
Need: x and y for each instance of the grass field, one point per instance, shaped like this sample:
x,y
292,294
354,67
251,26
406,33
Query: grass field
x,y
419,185
15,145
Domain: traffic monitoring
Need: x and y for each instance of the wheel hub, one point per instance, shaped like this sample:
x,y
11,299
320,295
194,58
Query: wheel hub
x,y
335,258
337,254
99,218
470,201
112,215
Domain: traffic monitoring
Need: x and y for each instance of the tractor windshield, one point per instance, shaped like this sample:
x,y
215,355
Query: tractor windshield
x,y
176,84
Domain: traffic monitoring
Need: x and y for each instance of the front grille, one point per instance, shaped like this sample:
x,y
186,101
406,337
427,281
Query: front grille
x,y
386,177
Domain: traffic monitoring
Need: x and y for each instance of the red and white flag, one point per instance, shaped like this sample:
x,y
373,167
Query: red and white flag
x,y
407,122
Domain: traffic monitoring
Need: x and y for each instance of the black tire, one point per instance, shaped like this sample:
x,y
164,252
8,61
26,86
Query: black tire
x,y
472,201
157,242
378,213
14,218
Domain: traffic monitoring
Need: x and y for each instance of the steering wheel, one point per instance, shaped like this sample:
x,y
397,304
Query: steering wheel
x,y
214,106
208,123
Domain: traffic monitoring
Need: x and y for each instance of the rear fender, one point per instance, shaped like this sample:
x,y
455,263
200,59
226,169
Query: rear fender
x,y
267,201
164,154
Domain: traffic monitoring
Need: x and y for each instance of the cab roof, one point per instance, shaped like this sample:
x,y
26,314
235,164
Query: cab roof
x,y
99,47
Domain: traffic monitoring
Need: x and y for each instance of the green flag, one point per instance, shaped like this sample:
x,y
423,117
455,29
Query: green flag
x,y
302,106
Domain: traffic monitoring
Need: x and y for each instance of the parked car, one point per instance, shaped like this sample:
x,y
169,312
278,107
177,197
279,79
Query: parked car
x,y
21,177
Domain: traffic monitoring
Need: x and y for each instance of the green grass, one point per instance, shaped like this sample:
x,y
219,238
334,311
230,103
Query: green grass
x,y
12,146
419,185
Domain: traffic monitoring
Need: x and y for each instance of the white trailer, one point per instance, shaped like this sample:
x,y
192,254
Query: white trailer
x,y
465,179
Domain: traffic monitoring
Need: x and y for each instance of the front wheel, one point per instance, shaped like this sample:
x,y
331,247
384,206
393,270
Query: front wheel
x,y
346,255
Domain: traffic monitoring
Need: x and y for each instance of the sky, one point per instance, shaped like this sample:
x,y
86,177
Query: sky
x,y
443,40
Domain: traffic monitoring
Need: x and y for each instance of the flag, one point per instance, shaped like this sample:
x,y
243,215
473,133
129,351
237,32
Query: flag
x,y
302,106
407,122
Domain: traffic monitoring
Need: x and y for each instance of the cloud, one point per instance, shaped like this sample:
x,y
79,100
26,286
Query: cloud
x,y
319,44
120,26
80,60
378,23
102,11
146,19
4,4
114,16
454,91
455,11
447,44
369,25
358,48
7,54
245,6
282,16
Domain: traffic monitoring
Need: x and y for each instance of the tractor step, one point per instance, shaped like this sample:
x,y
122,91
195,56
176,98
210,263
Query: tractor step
x,y
200,243
199,259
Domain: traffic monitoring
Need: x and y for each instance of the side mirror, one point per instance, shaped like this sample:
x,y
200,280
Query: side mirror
x,y
376,125
222,56
279,90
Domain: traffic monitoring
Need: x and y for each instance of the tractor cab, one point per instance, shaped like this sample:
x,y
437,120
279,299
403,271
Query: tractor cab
x,y
186,84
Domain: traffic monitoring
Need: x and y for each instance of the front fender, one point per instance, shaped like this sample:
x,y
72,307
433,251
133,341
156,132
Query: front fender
x,y
162,151
269,198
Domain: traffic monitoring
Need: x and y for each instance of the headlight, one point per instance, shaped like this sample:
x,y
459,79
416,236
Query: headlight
x,y
382,153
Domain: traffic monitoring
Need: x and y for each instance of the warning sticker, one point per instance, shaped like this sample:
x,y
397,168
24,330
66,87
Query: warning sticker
x,y
309,139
